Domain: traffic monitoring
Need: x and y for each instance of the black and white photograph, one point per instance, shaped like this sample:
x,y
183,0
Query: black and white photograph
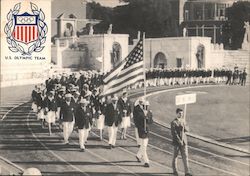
x,y
125,87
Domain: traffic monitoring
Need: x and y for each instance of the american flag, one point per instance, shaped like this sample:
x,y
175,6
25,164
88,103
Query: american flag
x,y
128,72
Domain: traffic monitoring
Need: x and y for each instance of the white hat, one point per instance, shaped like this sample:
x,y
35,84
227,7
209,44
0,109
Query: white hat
x,y
84,101
141,99
68,95
115,98
146,103
77,93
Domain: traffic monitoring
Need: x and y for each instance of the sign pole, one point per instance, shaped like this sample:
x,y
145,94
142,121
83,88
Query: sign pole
x,y
184,118
185,112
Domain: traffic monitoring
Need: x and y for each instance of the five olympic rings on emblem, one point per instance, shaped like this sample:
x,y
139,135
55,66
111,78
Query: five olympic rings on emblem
x,y
25,20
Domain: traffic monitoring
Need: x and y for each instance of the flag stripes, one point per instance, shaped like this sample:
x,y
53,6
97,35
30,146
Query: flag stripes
x,y
128,72
123,78
25,33
127,78
121,87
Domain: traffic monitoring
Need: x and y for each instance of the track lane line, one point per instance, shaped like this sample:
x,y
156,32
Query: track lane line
x,y
134,154
193,161
201,150
53,153
96,155
4,116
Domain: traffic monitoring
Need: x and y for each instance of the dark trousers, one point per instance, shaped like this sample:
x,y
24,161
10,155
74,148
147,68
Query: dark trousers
x,y
184,154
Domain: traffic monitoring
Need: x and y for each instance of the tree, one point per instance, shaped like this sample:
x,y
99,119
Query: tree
x,y
105,14
156,18
234,28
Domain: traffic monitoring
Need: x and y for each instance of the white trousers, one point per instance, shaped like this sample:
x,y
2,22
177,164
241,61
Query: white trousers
x,y
137,137
112,134
67,130
83,135
142,153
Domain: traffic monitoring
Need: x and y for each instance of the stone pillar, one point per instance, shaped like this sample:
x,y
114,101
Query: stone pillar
x,y
203,11
197,30
215,11
202,27
58,53
214,34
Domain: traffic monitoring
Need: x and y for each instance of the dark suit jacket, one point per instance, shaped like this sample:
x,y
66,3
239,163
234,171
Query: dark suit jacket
x,y
140,119
124,106
177,128
83,118
112,115
51,105
67,112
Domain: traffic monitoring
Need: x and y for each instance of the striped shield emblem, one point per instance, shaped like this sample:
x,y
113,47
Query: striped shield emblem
x,y
25,29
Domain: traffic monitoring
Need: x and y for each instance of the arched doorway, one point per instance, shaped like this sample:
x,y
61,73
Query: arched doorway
x,y
200,54
116,54
69,30
160,60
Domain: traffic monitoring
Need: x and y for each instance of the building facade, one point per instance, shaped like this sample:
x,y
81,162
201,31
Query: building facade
x,y
205,18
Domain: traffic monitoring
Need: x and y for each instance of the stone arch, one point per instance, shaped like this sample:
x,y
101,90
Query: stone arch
x,y
116,54
160,60
69,30
200,56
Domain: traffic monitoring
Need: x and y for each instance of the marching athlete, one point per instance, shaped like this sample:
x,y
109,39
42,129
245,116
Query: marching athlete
x,y
101,118
40,107
83,115
112,120
141,123
125,109
178,130
50,107
67,116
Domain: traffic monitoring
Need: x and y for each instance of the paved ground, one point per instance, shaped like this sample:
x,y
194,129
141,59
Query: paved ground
x,y
24,142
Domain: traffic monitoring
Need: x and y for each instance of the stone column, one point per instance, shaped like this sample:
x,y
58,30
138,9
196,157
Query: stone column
x,y
58,53
203,30
214,34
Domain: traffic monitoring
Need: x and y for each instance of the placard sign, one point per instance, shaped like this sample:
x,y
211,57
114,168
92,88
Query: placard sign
x,y
185,99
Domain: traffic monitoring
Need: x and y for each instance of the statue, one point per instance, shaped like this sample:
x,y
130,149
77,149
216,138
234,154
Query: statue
x,y
184,32
91,30
69,31
246,40
200,56
109,31
115,54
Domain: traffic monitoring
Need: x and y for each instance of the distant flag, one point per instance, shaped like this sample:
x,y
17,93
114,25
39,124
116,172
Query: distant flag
x,y
127,72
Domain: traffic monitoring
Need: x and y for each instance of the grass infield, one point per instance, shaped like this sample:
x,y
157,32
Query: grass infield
x,y
221,113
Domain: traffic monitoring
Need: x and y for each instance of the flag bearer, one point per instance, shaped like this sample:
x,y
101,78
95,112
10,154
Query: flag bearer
x,y
141,124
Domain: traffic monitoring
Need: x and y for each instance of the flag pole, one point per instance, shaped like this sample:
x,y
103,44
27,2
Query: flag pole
x,y
144,72
144,69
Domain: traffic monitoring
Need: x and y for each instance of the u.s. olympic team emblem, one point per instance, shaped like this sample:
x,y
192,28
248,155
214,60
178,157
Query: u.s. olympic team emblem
x,y
26,33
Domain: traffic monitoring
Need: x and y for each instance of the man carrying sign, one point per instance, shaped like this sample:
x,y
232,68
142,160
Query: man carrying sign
x,y
178,130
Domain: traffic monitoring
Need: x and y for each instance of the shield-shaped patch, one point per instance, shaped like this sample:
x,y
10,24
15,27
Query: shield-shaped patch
x,y
25,29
